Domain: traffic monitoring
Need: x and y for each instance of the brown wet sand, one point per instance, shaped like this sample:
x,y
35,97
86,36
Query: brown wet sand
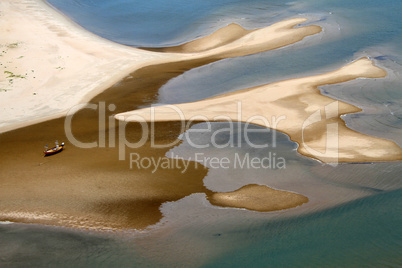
x,y
91,188
257,197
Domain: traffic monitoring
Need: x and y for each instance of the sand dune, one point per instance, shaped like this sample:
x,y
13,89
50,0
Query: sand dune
x,y
296,108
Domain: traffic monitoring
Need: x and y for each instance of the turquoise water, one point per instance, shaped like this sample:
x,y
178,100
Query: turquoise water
x,y
361,228
363,233
355,233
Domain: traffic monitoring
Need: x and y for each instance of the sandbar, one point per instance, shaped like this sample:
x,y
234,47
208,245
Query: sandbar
x,y
56,65
49,63
259,198
295,107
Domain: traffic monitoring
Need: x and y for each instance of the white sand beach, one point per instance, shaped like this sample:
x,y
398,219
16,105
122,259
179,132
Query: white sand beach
x,y
50,64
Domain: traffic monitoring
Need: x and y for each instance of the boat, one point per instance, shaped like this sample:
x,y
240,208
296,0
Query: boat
x,y
57,149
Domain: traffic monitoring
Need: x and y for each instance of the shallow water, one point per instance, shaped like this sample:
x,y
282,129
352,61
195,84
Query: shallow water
x,y
363,233
30,245
354,216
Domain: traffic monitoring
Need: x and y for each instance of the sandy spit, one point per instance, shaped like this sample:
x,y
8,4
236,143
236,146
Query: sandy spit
x,y
295,107
49,64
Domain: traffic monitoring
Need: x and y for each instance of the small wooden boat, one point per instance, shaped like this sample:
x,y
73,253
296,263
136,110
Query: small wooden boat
x,y
54,150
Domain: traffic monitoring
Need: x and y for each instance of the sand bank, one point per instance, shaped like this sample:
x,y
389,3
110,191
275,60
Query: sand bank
x,y
258,197
296,108
234,41
56,65
50,64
